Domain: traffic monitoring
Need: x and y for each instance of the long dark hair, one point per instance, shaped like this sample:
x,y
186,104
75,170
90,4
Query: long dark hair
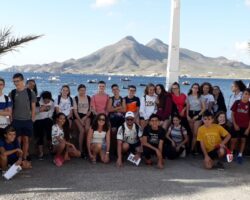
x,y
95,122
190,91
221,96
240,85
35,87
162,96
210,91
65,86
65,126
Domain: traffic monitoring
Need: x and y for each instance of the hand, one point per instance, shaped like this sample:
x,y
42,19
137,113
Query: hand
x,y
91,156
222,146
178,148
33,118
136,157
246,132
236,127
173,144
19,151
119,163
18,162
195,117
189,118
207,159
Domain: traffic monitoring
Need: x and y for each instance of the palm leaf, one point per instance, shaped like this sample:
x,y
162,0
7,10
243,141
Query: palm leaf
x,y
9,43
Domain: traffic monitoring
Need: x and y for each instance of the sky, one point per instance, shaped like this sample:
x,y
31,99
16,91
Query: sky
x,y
76,28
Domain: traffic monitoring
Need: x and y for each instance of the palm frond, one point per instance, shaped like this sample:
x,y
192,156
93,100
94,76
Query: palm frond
x,y
9,43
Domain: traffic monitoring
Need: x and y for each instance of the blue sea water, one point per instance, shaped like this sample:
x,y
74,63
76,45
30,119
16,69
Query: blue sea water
x,y
75,79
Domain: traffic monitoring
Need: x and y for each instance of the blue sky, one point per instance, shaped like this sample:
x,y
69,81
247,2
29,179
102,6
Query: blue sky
x,y
76,28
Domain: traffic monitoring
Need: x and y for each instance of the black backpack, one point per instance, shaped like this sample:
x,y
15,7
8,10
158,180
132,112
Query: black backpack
x,y
59,100
13,94
136,127
77,101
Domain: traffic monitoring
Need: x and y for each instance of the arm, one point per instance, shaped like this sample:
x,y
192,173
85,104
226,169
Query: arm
x,y
110,108
184,141
123,106
119,153
10,152
33,111
142,108
146,144
236,127
6,112
160,146
169,138
226,140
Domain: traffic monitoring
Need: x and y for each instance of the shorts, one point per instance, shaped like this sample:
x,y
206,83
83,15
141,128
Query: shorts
x,y
133,148
12,160
116,121
193,113
213,154
81,115
238,134
23,127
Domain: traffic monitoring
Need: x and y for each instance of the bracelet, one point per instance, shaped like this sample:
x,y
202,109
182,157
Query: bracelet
x,y
107,152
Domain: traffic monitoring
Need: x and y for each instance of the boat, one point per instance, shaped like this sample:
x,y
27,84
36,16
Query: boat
x,y
125,87
92,81
125,79
109,78
185,83
35,78
143,84
72,84
54,79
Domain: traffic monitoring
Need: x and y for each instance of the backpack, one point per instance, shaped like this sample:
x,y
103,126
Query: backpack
x,y
77,101
13,94
6,101
59,100
113,100
137,128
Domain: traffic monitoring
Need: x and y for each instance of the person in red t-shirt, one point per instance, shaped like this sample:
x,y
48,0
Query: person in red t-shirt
x,y
241,123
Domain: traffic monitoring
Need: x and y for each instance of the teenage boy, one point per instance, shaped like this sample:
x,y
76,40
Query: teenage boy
x,y
241,123
24,112
133,102
116,109
10,151
99,101
128,138
152,140
5,108
212,138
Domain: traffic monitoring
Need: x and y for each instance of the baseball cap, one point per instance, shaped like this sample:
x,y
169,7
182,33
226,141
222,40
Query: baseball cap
x,y
129,114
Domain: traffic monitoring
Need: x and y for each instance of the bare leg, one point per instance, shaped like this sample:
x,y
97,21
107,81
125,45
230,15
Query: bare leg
x,y
25,140
3,162
81,134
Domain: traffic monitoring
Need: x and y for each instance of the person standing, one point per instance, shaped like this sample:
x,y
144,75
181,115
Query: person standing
x,y
24,112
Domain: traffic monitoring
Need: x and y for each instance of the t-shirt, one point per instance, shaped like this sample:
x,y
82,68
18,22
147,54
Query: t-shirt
x,y
232,99
129,136
132,104
211,136
177,133
64,105
99,103
179,101
241,113
208,98
148,106
99,137
4,120
82,106
154,136
9,147
45,114
56,132
195,102
22,109
116,103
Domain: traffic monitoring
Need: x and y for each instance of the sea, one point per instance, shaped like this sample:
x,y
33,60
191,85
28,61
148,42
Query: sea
x,y
73,80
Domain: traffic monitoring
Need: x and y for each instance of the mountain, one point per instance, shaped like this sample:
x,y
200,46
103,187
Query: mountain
x,y
128,56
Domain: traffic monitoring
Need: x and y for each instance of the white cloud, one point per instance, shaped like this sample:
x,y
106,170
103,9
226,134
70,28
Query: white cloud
x,y
247,2
104,3
241,46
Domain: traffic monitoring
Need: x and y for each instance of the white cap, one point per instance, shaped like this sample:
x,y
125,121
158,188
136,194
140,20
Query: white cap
x,y
129,114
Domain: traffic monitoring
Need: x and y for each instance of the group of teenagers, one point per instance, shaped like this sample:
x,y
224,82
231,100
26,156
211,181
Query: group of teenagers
x,y
161,124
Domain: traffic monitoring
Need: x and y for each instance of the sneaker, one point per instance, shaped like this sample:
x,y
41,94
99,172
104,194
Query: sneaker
x,y
239,160
183,154
219,166
57,161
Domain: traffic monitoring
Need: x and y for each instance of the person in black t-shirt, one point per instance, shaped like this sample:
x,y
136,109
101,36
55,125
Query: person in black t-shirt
x,y
152,140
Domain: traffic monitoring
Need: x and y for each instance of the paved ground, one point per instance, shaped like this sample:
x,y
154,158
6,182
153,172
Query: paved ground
x,y
78,179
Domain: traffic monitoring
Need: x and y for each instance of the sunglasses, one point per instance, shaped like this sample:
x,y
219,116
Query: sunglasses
x,y
101,119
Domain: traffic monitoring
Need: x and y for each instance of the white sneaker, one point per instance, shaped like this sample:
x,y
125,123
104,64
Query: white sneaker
x,y
183,154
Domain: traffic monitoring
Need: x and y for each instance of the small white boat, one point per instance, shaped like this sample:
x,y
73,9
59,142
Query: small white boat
x,y
125,79
54,79
109,78
185,83
92,81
